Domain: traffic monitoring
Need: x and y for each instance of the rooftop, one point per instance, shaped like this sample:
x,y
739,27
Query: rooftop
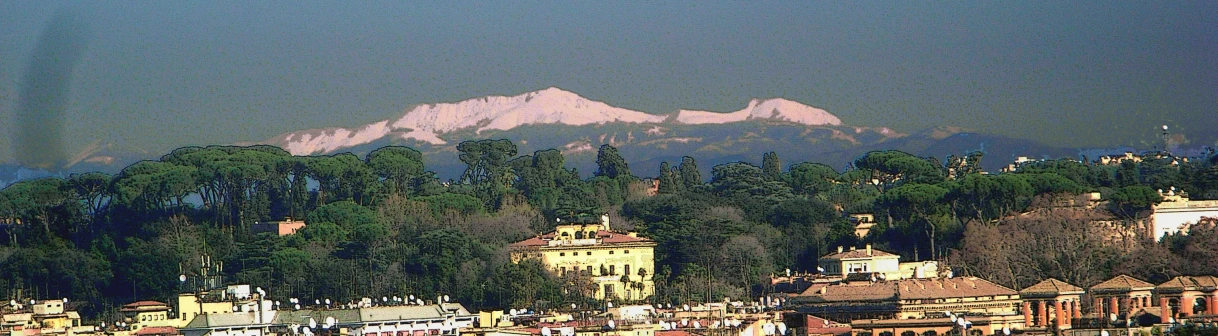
x,y
1050,287
1205,283
907,289
602,237
858,253
1123,283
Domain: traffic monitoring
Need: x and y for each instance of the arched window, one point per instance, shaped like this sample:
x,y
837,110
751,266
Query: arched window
x,y
930,333
885,333
579,235
909,333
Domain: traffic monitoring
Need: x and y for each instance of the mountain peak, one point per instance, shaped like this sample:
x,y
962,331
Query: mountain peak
x,y
777,109
553,105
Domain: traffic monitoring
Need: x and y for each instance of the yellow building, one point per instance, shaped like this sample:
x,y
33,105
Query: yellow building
x,y
142,314
620,265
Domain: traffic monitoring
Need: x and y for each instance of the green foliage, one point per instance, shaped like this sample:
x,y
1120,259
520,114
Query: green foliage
x,y
384,225
346,214
1129,201
771,168
811,178
610,164
398,166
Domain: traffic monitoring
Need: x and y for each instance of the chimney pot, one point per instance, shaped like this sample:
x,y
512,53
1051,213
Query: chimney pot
x,y
868,249
839,249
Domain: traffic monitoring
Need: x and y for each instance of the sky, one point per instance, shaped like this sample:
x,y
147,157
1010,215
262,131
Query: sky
x,y
155,75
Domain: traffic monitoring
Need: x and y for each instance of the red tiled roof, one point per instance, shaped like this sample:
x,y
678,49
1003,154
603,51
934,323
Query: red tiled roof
x,y
606,237
673,333
145,303
860,253
1122,282
1052,287
910,289
1190,282
157,331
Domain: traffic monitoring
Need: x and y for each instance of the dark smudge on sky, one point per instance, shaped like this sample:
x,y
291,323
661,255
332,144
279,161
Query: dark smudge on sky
x,y
45,92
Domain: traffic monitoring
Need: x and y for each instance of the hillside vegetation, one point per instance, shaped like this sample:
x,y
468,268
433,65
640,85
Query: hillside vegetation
x,y
384,225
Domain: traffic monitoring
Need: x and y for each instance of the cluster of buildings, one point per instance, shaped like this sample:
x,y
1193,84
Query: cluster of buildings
x,y
856,292
865,292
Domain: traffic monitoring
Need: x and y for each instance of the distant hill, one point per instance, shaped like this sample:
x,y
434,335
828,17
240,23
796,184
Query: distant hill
x,y
555,118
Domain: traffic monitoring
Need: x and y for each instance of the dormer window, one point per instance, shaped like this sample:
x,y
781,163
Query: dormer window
x,y
579,235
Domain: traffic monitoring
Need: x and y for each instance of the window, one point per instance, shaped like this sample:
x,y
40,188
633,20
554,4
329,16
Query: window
x,y
562,271
589,253
589,270
626,269
562,254
610,251
612,269
626,251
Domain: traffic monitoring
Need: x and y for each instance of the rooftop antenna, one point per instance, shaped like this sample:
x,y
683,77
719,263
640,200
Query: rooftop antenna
x,y
1166,140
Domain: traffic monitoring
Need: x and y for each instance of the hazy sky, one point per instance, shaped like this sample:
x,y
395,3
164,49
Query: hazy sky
x,y
160,74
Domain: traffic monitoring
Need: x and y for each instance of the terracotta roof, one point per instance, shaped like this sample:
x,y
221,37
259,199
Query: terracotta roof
x,y
157,331
606,237
1205,282
1123,282
145,304
1050,287
859,253
910,289
673,333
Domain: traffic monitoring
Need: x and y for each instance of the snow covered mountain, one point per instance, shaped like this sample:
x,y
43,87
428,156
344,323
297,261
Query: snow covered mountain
x,y
553,106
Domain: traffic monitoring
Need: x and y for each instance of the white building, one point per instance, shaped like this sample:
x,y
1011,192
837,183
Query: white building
x,y
1177,213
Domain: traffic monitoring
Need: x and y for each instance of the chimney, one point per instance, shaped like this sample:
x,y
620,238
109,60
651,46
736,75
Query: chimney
x,y
868,250
823,290
852,248
839,249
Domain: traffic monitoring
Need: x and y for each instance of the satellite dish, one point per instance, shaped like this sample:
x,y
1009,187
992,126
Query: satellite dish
x,y
297,307
788,272
1164,127
697,325
609,304
1006,330
663,325
953,318
782,328
65,300
685,322
316,302
384,299
235,309
513,311
182,278
820,269
1112,317
32,302
612,324
12,302
1103,333
445,298
411,297
685,307
312,323
545,331
308,331
330,321
572,306
327,302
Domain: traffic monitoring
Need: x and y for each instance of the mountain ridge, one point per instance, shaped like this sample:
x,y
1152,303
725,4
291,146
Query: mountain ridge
x,y
554,106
